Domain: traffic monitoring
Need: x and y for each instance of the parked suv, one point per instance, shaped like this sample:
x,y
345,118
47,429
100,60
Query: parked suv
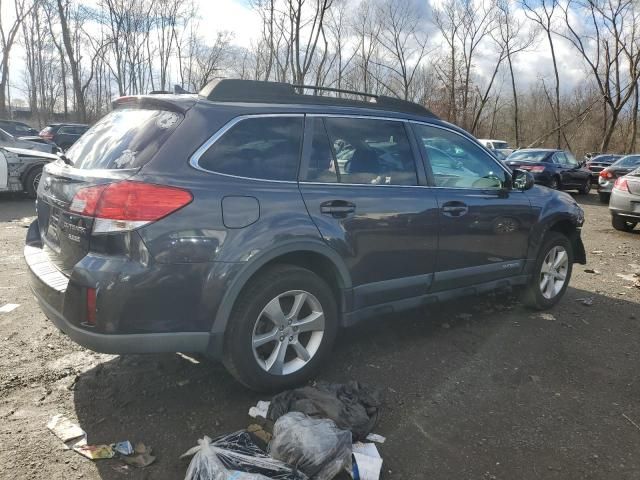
x,y
63,134
251,222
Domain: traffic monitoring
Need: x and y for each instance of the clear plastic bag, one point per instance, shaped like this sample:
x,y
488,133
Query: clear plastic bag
x,y
316,446
235,457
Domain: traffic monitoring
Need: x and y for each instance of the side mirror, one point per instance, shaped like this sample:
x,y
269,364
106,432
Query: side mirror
x,y
522,180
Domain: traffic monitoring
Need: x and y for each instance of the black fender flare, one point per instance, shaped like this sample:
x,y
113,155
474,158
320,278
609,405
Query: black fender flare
x,y
255,264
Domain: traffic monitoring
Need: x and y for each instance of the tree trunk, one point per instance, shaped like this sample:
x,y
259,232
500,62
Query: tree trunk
x,y
515,101
557,76
75,74
634,120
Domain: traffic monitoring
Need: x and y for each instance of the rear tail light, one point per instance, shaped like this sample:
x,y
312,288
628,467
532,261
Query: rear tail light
x,y
606,174
621,184
46,134
91,307
537,169
124,206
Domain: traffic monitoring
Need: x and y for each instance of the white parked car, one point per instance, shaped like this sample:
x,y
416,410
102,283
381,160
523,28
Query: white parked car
x,y
20,170
497,145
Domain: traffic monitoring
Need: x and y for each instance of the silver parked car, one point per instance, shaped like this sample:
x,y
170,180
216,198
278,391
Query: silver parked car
x,y
624,204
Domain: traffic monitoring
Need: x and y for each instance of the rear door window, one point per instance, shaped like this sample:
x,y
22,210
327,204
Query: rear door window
x,y
370,152
124,139
267,148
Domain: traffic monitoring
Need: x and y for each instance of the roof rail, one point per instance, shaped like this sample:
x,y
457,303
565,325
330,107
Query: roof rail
x,y
257,91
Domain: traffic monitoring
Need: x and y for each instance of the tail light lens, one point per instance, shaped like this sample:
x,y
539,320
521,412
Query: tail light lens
x,y
606,174
91,306
124,206
621,184
46,134
537,169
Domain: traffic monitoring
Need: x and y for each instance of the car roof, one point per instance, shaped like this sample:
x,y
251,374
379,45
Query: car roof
x,y
539,150
67,125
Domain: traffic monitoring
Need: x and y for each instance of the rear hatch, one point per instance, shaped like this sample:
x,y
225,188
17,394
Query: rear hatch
x,y
113,150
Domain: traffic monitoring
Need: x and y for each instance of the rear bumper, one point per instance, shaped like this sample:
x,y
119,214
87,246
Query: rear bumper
x,y
625,205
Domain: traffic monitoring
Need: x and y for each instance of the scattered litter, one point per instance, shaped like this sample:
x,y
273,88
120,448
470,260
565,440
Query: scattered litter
x,y
9,307
123,448
188,358
367,461
631,421
586,301
374,437
597,252
95,452
445,325
182,383
534,378
352,406
316,446
260,410
258,431
464,316
547,316
235,456
591,270
65,430
141,456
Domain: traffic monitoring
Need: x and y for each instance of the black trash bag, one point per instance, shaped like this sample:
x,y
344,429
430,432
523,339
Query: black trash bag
x,y
225,457
314,445
352,406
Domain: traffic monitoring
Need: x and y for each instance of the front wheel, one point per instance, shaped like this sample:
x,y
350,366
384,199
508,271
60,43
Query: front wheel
x,y
551,274
621,224
586,188
281,329
32,181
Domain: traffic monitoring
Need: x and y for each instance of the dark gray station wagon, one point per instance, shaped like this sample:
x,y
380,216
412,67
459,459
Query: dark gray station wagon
x,y
250,222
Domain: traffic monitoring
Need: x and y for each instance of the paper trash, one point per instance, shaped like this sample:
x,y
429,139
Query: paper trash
x,y
260,410
368,462
66,431
95,452
9,307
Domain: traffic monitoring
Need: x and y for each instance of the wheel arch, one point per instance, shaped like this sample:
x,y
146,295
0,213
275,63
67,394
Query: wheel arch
x,y
30,168
315,256
567,227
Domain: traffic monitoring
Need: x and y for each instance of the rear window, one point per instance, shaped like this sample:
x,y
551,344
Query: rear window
x,y
526,156
73,130
264,147
123,139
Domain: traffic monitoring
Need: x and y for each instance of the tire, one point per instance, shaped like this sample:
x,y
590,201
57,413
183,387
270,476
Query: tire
x,y
586,188
621,224
539,295
278,289
604,197
555,183
31,182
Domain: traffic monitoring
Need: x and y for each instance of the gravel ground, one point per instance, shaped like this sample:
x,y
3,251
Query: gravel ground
x,y
478,389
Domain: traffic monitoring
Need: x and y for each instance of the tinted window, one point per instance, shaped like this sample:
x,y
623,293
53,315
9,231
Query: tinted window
x,y
321,161
529,156
571,160
371,152
72,130
628,161
126,138
458,162
267,148
561,158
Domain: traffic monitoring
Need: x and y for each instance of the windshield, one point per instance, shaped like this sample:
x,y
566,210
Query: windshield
x,y
500,144
529,156
126,138
605,158
628,161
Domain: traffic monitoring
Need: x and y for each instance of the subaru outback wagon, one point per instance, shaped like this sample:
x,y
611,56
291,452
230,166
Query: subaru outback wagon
x,y
250,222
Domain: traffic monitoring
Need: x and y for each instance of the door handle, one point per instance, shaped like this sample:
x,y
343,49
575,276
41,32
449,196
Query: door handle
x,y
337,208
454,209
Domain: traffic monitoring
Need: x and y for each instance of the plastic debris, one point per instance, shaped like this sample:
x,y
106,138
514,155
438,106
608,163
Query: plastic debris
x,y
262,435
352,406
235,456
141,456
367,462
587,301
95,452
316,446
9,307
123,448
374,437
66,430
260,410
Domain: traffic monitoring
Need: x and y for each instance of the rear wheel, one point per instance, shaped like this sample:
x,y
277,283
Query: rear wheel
x,y
551,274
621,224
281,329
32,181
604,197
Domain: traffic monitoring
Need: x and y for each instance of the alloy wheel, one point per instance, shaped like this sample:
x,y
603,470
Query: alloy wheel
x,y
288,332
36,181
553,273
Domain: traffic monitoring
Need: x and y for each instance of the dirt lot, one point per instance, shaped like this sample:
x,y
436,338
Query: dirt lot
x,y
479,389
